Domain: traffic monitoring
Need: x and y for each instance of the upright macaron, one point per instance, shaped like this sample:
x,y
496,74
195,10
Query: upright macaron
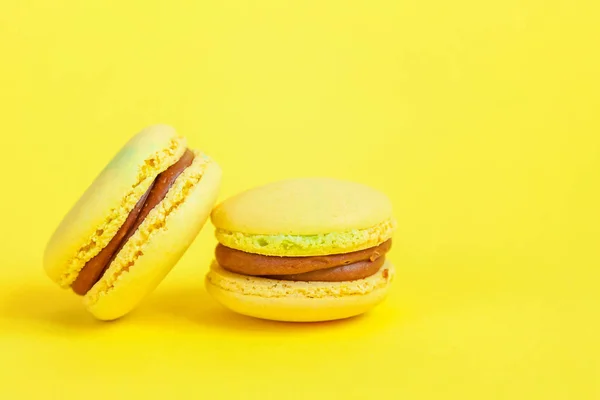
x,y
310,249
134,222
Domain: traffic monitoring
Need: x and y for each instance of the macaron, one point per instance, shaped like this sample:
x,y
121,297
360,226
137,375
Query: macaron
x,y
133,223
311,249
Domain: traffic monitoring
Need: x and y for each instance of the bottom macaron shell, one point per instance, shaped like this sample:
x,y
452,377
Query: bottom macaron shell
x,y
162,251
305,301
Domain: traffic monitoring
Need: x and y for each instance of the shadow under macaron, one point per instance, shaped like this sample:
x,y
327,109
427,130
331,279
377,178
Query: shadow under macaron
x,y
35,307
41,307
195,306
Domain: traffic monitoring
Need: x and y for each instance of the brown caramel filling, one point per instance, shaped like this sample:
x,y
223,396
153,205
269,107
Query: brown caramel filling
x,y
329,268
350,272
94,269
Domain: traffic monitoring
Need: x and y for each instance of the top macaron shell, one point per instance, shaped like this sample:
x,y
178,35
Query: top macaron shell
x,y
303,217
304,206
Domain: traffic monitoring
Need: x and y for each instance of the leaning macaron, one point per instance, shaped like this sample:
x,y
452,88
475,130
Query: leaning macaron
x,y
134,222
310,249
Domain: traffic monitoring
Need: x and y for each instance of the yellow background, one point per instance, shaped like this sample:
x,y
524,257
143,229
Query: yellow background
x,y
478,118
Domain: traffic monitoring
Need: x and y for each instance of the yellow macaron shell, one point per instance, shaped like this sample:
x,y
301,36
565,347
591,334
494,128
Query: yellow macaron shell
x,y
159,242
304,206
99,213
304,217
297,301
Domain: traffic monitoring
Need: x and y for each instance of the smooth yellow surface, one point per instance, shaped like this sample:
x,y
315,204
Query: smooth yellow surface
x,y
298,301
479,120
305,206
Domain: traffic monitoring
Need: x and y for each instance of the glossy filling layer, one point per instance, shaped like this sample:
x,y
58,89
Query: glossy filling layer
x,y
94,269
329,268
